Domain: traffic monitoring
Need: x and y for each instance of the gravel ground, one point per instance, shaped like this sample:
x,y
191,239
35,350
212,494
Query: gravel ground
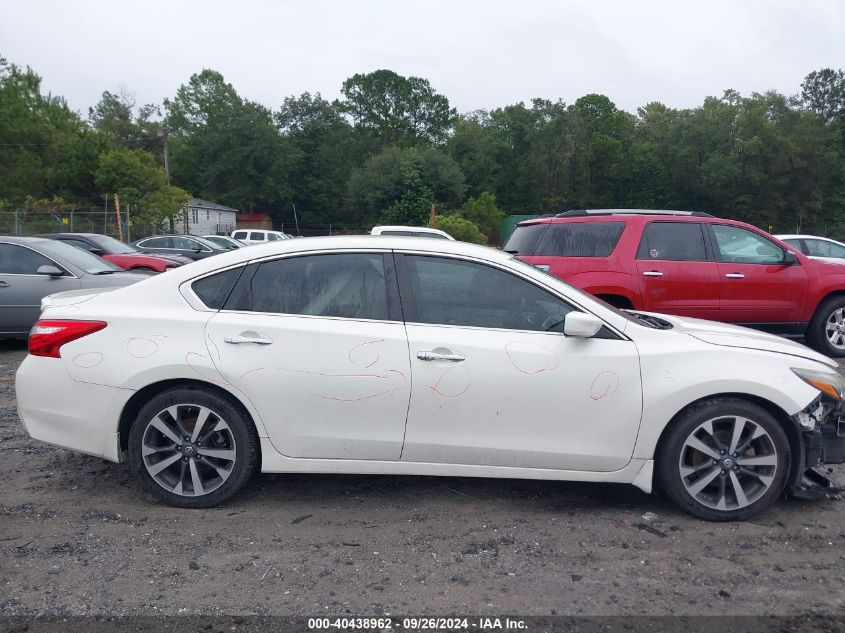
x,y
79,537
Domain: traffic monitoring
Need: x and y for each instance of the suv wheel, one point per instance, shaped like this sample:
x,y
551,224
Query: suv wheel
x,y
826,331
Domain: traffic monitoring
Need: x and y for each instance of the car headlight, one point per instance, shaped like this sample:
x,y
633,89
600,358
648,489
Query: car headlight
x,y
830,384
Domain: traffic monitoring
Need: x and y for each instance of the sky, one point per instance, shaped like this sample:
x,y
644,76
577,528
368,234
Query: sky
x,y
480,54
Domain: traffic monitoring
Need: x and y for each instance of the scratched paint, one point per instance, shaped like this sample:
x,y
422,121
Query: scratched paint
x,y
453,382
199,364
366,354
87,360
530,358
140,347
333,386
604,385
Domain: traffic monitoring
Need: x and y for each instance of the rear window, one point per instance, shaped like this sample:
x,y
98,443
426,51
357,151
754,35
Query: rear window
x,y
240,235
524,239
580,239
214,289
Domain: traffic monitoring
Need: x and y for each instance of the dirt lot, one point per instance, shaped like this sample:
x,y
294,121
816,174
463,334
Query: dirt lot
x,y
79,537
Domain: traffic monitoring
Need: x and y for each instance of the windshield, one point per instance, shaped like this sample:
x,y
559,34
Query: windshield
x,y
111,245
74,256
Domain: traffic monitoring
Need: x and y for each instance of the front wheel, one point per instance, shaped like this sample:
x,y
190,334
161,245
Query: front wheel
x,y
724,459
192,448
826,332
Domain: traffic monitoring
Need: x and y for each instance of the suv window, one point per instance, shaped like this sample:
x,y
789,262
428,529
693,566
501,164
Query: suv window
x,y
675,241
580,239
822,248
351,286
214,289
743,246
257,236
457,292
272,237
402,233
523,240
17,260
240,235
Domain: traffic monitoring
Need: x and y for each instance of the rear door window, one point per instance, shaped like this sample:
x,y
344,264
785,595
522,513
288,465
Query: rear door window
x,y
258,237
349,285
673,241
580,239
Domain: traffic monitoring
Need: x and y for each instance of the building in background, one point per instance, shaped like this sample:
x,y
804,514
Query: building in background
x,y
254,221
201,217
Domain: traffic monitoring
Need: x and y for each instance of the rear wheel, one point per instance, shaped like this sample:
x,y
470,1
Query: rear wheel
x,y
725,459
192,448
826,332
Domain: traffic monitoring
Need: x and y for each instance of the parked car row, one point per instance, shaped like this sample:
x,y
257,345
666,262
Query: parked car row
x,y
694,265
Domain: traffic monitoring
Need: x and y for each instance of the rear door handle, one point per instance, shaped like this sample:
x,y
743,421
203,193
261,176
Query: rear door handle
x,y
4,284
735,276
652,273
432,355
247,337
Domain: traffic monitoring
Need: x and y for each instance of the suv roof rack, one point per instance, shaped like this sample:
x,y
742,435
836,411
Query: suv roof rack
x,y
588,212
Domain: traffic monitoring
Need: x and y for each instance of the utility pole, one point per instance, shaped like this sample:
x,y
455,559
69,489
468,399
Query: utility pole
x,y
166,152
117,215
295,219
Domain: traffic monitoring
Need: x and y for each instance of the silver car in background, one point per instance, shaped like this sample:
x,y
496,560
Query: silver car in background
x,y
32,268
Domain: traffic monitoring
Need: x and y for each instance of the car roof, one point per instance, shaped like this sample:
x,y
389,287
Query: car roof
x,y
805,237
17,239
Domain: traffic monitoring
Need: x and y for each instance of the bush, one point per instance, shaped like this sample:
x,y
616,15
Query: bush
x,y
461,229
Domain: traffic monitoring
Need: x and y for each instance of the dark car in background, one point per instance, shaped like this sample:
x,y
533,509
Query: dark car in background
x,y
118,253
32,268
190,246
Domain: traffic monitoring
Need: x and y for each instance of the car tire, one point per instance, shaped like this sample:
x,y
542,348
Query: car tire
x,y
715,474
211,466
822,333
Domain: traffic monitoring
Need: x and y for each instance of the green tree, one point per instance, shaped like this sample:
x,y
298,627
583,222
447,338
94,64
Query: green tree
x,y
409,174
823,92
228,149
485,214
397,108
461,229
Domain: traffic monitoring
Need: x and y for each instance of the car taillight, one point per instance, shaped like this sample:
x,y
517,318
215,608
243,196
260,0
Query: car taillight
x,y
47,337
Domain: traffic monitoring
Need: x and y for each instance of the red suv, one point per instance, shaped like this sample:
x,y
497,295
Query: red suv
x,y
691,264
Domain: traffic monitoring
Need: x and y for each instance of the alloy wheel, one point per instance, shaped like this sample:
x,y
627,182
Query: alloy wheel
x,y
188,449
728,463
835,328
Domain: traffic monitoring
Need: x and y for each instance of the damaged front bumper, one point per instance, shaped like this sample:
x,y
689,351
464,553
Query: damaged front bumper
x,y
822,436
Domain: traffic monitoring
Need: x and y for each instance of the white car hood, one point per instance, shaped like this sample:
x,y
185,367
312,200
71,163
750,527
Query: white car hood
x,y
736,336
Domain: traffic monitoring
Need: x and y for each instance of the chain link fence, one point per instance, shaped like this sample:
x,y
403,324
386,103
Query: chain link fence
x,y
102,221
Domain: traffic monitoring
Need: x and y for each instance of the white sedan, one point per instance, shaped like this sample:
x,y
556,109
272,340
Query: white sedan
x,y
421,357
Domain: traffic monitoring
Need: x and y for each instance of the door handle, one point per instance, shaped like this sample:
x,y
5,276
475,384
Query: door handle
x,y
431,355
735,276
4,284
247,337
652,273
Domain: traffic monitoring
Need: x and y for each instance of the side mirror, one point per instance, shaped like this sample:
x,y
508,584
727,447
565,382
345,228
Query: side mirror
x,y
790,259
96,251
52,271
582,325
